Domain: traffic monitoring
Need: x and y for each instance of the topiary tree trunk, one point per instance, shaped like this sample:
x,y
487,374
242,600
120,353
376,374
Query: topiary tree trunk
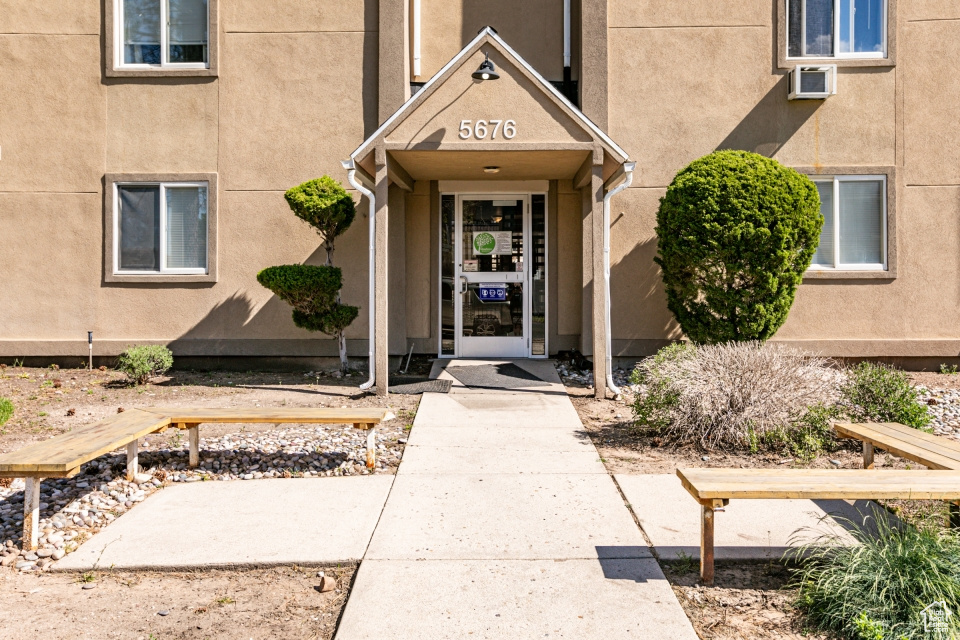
x,y
314,291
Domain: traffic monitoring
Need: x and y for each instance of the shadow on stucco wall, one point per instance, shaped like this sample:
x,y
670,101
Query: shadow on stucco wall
x,y
771,123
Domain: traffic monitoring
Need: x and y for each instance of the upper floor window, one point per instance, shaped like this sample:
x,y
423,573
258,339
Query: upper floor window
x,y
160,228
837,28
854,235
163,33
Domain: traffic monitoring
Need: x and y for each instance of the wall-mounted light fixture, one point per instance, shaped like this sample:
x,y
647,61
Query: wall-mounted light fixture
x,y
491,169
486,71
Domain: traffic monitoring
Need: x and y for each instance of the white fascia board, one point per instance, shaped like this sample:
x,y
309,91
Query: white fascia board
x,y
574,111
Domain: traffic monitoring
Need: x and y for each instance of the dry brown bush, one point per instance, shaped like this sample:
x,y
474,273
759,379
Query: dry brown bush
x,y
718,396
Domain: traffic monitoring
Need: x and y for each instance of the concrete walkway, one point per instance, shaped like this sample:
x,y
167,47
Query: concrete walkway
x,y
503,523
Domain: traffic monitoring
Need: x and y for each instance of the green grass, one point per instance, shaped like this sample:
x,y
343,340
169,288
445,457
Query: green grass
x,y
877,589
6,410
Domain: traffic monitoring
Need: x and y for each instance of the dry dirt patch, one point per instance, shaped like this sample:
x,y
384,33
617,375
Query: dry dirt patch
x,y
747,602
282,602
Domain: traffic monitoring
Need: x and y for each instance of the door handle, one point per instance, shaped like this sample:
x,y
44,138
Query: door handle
x,y
463,284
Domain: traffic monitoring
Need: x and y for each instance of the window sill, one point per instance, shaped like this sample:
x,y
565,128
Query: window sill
x,y
161,72
161,278
841,63
849,275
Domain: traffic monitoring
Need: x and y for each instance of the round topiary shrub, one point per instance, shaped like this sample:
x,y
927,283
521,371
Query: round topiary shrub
x,y
735,233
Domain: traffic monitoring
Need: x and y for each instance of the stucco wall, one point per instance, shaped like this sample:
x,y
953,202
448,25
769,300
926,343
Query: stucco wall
x,y
296,92
714,76
534,28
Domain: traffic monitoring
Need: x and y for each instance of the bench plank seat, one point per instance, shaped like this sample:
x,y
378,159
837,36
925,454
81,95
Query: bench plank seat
x,y
713,488
63,455
181,415
932,451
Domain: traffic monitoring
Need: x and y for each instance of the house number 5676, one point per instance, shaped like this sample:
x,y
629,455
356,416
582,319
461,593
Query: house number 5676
x,y
482,128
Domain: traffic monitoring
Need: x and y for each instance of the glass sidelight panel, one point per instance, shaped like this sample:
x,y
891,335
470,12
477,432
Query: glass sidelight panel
x,y
493,310
538,275
493,236
448,284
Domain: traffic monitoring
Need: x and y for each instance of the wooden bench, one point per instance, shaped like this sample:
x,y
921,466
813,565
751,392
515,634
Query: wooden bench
x,y
934,452
714,488
63,455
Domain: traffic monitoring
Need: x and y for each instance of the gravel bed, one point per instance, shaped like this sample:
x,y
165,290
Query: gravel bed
x,y
73,509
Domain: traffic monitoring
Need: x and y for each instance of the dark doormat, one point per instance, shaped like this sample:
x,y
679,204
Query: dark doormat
x,y
411,386
495,376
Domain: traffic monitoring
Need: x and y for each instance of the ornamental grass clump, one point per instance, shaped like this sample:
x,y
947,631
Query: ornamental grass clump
x,y
880,588
880,393
145,361
739,395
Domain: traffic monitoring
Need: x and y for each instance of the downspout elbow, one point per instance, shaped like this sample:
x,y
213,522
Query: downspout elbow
x,y
371,225
628,168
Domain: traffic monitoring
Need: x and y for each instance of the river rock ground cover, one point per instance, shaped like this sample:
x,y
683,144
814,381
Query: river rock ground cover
x,y
52,401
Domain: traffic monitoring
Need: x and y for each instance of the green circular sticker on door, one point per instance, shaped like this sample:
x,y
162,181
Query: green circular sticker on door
x,y
484,243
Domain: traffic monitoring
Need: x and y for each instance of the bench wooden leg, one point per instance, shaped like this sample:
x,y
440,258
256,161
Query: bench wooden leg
x,y
31,513
954,518
193,435
133,466
706,544
371,447
867,455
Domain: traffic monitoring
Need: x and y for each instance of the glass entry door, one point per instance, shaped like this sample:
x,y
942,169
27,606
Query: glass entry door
x,y
492,314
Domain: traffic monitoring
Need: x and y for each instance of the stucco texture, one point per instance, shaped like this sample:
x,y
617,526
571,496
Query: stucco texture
x,y
534,28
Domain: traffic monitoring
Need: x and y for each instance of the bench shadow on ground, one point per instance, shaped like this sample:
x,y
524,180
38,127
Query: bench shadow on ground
x,y
623,563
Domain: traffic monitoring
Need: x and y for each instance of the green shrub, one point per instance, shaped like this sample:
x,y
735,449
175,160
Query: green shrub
x,y
735,233
145,361
806,437
6,410
326,206
653,407
878,588
879,393
312,291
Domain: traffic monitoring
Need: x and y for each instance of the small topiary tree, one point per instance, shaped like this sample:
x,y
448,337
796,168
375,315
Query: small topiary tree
x,y
314,291
735,233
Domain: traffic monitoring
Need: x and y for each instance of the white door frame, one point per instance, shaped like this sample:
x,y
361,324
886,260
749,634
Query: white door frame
x,y
461,190
491,347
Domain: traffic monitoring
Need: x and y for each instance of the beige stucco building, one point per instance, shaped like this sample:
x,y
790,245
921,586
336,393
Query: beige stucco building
x,y
145,146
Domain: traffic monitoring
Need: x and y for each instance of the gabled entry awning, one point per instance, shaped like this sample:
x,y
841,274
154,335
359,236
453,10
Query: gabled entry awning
x,y
461,128
456,125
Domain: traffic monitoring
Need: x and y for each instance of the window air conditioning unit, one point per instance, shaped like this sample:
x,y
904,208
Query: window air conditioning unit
x,y
813,83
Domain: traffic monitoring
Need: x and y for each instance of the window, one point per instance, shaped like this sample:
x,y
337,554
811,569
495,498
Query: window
x,y
854,236
837,28
160,228
163,33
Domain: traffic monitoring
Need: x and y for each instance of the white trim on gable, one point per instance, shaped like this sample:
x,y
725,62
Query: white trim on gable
x,y
484,35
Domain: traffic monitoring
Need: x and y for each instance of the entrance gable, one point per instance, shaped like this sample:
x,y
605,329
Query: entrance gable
x,y
533,115
541,118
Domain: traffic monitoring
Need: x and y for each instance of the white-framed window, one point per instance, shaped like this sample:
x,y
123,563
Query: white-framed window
x,y
160,228
837,28
854,235
162,34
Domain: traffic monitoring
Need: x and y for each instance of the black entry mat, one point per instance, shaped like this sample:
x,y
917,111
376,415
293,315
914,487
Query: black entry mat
x,y
410,386
495,376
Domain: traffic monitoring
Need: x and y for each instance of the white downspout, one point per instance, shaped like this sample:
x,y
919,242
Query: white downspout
x,y
628,168
372,227
566,32
416,38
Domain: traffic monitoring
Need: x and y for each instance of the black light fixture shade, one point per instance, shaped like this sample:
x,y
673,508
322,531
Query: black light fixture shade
x,y
486,71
